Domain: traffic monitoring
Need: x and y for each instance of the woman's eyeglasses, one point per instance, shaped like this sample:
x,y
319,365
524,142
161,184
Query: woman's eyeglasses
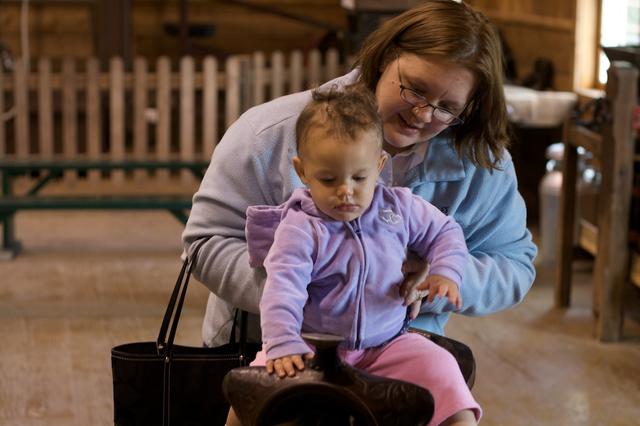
x,y
415,99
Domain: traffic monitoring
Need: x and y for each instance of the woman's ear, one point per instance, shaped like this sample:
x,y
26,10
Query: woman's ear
x,y
299,167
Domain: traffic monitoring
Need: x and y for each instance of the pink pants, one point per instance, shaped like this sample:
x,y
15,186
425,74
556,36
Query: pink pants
x,y
415,359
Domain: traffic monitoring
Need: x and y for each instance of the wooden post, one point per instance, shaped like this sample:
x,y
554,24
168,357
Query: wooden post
x,y
612,261
209,106
314,70
69,114
21,92
187,114
247,88
94,119
333,66
3,116
163,104
45,109
566,218
113,34
295,73
258,78
117,114
140,101
277,74
232,98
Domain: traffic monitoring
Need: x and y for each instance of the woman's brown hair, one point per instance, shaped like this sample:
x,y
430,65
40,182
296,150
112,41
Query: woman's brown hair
x,y
457,33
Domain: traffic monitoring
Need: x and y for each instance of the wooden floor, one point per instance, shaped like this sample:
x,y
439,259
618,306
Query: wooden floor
x,y
87,281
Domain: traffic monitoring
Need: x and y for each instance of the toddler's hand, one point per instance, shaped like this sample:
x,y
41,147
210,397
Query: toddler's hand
x,y
437,285
287,365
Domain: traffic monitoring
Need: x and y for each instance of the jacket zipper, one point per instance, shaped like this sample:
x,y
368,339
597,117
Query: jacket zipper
x,y
355,225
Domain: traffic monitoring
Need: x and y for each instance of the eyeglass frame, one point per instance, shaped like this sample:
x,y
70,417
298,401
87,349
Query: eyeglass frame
x,y
455,120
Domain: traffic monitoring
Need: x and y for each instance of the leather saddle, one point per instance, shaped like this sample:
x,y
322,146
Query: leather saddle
x,y
330,392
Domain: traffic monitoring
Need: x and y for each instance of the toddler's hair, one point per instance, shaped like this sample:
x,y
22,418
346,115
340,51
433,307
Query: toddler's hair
x,y
344,114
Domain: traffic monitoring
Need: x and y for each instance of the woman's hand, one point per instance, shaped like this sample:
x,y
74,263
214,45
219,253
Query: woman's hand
x,y
439,286
415,272
287,365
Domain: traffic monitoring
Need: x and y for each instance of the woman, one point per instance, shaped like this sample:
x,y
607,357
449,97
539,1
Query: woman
x,y
436,71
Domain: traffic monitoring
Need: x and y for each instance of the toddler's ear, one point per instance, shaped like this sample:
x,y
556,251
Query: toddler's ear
x,y
381,161
299,167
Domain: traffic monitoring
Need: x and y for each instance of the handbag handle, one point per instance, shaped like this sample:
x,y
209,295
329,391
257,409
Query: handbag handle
x,y
244,315
164,346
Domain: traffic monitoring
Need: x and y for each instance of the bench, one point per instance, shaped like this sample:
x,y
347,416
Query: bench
x,y
47,171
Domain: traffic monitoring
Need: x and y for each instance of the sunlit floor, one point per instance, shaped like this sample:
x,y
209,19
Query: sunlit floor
x,y
87,281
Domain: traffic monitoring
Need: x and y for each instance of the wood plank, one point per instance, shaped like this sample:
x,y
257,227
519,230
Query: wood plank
x,y
69,114
535,21
295,71
566,218
45,109
232,85
140,102
635,268
259,78
314,68
333,65
587,40
117,115
611,268
277,74
588,139
163,105
94,119
187,115
247,92
588,237
4,115
209,106
22,138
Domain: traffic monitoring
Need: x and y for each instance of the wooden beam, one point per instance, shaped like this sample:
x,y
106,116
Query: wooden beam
x,y
612,263
114,31
586,43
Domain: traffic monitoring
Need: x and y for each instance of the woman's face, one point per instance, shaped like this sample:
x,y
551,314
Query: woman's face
x,y
441,83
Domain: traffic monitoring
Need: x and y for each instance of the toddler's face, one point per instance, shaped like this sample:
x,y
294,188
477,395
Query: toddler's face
x,y
341,175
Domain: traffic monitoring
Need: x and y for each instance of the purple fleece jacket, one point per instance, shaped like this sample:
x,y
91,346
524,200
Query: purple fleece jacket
x,y
344,278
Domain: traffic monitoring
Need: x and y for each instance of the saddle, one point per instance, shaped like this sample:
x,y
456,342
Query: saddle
x,y
326,392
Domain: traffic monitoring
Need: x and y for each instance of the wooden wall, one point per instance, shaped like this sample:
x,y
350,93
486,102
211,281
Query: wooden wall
x,y
65,27
61,28
238,29
563,31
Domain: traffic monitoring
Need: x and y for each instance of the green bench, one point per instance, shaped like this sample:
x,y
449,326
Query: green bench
x,y
46,171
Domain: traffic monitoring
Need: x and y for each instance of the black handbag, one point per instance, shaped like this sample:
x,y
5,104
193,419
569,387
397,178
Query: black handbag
x,y
160,383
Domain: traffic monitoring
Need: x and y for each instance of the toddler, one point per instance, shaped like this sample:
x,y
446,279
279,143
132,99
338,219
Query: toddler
x,y
334,251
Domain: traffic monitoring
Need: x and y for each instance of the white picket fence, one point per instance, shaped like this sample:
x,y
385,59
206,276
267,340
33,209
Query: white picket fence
x,y
79,112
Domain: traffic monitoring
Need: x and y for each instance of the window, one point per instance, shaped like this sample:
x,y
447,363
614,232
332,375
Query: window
x,y
619,26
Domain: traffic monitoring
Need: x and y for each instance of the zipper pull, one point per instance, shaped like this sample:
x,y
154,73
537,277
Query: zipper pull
x,y
356,227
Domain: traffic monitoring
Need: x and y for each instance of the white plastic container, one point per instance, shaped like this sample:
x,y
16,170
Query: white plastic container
x,y
588,182
538,108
